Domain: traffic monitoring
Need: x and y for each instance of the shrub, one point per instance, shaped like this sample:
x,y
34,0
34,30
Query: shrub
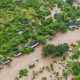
x,y
51,67
44,78
65,73
27,50
23,73
76,55
31,66
54,50
75,68
76,78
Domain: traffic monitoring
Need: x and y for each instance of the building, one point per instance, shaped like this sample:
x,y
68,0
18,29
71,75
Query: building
x,y
33,44
4,61
71,24
17,53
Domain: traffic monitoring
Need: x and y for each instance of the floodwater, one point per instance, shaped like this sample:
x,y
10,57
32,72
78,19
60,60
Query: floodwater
x,y
10,72
68,37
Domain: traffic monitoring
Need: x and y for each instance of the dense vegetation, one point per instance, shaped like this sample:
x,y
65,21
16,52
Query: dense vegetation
x,y
75,69
22,73
54,50
23,21
76,50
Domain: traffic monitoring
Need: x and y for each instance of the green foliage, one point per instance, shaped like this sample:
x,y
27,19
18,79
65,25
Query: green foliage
x,y
76,55
28,17
76,78
23,73
59,27
31,66
48,50
41,39
70,2
76,50
51,67
65,73
44,78
27,50
75,66
53,50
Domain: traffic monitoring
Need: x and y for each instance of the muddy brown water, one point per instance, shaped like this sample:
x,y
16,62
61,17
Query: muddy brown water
x,y
10,72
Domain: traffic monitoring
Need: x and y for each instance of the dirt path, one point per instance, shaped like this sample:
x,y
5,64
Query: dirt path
x,y
10,72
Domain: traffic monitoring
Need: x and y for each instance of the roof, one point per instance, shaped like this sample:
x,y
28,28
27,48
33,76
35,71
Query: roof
x,y
71,24
17,53
4,61
33,44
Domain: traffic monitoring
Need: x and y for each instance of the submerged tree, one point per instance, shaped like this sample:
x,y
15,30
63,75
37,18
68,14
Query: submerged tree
x,y
54,50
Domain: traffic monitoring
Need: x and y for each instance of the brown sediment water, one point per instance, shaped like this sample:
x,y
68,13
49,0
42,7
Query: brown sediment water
x,y
55,10
10,72
68,37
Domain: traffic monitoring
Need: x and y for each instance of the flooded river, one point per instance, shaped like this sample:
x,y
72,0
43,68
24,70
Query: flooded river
x,y
10,72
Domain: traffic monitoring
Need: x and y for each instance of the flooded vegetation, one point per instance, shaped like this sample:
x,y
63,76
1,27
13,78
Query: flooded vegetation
x,y
39,40
42,64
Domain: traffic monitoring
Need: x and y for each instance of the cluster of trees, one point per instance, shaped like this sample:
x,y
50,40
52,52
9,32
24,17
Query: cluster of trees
x,y
76,78
70,2
75,69
23,22
23,73
76,50
68,13
76,55
54,50
18,27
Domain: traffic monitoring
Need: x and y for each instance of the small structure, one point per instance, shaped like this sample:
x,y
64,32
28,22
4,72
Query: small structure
x,y
25,23
17,53
17,0
71,24
46,35
33,44
4,61
75,24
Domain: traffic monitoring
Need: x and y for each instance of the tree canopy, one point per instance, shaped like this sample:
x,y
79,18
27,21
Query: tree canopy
x,y
54,50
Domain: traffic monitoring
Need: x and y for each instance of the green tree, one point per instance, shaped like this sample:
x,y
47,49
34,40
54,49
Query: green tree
x,y
54,50
23,73
41,39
